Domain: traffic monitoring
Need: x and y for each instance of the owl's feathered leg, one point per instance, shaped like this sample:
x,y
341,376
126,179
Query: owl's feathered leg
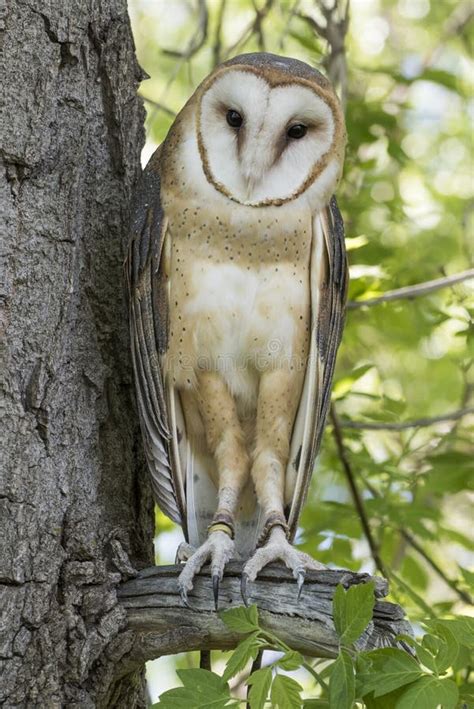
x,y
226,442
277,402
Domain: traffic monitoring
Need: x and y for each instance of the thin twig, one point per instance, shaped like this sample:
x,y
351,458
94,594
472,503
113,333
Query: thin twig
x,y
414,543
251,28
286,30
364,520
333,32
403,425
463,595
198,39
159,106
216,49
414,291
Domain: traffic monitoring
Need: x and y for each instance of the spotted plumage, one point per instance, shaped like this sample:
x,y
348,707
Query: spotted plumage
x,y
238,278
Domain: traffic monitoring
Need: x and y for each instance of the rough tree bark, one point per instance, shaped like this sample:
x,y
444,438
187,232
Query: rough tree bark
x,y
74,502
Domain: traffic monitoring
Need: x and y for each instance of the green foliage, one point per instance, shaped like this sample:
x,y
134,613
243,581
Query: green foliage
x,y
352,611
201,689
378,679
242,619
259,682
342,683
406,197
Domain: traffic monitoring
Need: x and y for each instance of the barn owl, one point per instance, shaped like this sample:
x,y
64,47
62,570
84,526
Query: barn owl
x,y
237,276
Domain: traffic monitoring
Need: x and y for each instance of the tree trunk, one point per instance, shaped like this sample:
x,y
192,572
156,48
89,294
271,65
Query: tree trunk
x,y
74,502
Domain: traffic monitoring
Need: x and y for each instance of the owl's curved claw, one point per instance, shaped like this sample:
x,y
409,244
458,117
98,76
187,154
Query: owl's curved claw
x,y
215,590
218,549
184,596
244,589
278,548
300,582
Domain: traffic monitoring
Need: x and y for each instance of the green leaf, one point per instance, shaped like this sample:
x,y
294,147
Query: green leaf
x,y
241,619
352,610
246,650
316,704
391,669
197,678
428,693
468,576
448,646
259,682
201,689
440,76
286,693
356,242
344,385
462,627
342,682
291,660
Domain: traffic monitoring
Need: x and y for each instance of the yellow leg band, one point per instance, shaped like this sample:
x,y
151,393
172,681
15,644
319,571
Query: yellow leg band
x,y
221,527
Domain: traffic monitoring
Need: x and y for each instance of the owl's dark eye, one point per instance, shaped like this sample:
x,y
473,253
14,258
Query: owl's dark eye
x,y
296,131
234,119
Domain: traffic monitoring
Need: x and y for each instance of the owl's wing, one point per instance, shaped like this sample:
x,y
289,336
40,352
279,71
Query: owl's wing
x,y
149,337
329,281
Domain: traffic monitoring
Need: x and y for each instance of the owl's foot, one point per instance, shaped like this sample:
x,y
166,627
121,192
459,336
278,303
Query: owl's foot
x,y
218,549
278,548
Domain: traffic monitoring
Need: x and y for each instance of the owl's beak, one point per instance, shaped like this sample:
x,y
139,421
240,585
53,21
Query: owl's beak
x,y
256,157
254,166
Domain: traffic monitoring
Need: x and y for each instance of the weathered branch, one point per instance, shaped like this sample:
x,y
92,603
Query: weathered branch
x,y
404,425
415,291
162,625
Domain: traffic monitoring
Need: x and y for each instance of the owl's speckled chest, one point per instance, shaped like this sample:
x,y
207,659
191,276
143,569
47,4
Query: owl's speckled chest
x,y
238,289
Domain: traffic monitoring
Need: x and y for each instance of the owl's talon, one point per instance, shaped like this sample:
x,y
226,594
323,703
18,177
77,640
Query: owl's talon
x,y
218,549
215,590
278,548
243,589
184,597
300,583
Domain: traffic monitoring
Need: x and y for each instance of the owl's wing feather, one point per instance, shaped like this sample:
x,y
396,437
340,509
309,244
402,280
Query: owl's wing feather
x,y
149,336
329,281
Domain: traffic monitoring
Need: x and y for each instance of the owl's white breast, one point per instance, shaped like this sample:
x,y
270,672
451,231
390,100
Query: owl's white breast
x,y
244,320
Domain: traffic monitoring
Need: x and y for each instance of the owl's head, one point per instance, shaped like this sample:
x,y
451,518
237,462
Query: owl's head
x,y
269,129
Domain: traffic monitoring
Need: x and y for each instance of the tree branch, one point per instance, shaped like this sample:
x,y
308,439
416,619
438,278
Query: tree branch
x,y
199,38
255,26
364,520
162,625
453,585
159,106
409,538
403,425
414,291
334,32
217,46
